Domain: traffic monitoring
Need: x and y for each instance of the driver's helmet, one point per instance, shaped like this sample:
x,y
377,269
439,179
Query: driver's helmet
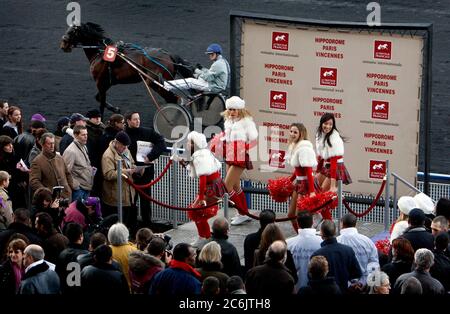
x,y
214,48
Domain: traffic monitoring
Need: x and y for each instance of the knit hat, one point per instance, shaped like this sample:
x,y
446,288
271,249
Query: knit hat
x,y
405,204
63,121
77,117
123,138
94,113
235,102
38,117
416,217
198,139
425,203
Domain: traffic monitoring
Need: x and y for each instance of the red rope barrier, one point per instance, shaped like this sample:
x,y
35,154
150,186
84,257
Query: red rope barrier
x,y
146,186
371,205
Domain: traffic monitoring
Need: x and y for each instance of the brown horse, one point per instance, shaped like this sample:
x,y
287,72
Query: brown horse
x,y
156,63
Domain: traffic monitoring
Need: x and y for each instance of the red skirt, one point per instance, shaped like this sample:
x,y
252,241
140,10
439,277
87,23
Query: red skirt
x,y
214,191
341,172
301,187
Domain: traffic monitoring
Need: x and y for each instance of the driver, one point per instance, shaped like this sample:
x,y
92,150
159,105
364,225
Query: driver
x,y
214,79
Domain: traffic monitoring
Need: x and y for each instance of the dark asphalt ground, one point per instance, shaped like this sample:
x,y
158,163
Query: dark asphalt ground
x,y
38,76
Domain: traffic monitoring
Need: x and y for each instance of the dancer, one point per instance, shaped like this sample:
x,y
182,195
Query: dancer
x,y
238,138
330,151
302,157
207,168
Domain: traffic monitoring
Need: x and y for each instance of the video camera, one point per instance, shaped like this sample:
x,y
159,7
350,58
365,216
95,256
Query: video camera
x,y
56,194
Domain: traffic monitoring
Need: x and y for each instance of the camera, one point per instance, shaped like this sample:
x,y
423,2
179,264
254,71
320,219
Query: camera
x,y
65,202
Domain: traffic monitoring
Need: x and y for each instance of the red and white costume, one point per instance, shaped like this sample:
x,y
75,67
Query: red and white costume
x,y
211,187
331,158
303,158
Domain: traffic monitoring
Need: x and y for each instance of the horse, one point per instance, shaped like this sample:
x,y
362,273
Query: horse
x,y
156,63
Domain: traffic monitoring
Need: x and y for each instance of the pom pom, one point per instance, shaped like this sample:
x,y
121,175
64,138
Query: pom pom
x,y
317,201
280,189
383,246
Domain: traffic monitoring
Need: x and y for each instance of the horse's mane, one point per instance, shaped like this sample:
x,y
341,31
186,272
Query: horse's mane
x,y
93,31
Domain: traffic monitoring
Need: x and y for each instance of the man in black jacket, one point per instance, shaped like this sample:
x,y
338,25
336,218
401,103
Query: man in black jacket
x,y
416,232
158,146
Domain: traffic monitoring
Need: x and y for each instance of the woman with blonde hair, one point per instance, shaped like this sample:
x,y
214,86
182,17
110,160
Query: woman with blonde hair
x,y
209,264
302,157
239,136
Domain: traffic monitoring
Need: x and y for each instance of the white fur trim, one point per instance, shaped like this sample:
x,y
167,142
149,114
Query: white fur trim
x,y
399,229
326,151
198,139
425,203
303,155
235,102
405,204
204,163
241,130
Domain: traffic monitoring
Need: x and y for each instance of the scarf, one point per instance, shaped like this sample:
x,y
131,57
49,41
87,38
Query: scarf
x,y
186,267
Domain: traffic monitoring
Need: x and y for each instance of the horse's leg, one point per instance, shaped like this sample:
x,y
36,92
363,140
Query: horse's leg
x,y
101,98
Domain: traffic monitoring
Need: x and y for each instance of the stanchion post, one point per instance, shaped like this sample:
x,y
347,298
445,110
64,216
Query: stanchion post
x,y
226,210
387,197
119,190
394,204
173,195
339,194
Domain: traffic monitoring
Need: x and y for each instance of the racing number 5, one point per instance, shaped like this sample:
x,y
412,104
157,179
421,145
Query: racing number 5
x,y
110,53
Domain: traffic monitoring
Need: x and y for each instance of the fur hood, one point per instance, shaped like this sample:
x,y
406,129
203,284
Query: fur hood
x,y
241,130
326,151
140,262
303,155
203,163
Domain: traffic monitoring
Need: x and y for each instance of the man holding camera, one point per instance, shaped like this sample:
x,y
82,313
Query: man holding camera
x,y
48,169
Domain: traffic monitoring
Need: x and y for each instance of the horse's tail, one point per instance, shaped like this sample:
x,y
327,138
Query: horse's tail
x,y
182,66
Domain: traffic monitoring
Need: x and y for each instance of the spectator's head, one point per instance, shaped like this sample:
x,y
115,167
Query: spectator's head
x,y
220,228
184,252
439,224
210,286
327,229
94,116
304,219
4,106
77,119
118,234
48,143
31,254
423,259
80,133
117,122
402,250
143,238
15,251
44,224
210,253
277,251
132,119
122,141
348,221
42,198
270,234
6,144
412,286
405,204
22,216
378,283
61,123
37,136
267,216
74,232
156,247
441,241
96,240
318,268
443,208
416,218
235,284
36,125
4,179
15,117
103,254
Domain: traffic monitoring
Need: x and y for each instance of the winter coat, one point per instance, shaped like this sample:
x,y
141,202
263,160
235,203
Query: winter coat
x,y
77,161
271,278
325,151
65,257
217,75
430,285
175,282
6,213
103,279
143,267
321,287
419,238
40,279
214,270
16,227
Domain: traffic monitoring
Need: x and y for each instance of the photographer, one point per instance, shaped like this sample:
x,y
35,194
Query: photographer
x,y
45,201
160,247
84,212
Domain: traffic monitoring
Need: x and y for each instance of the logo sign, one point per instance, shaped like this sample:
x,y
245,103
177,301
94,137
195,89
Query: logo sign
x,y
380,109
377,169
382,49
280,41
110,53
278,99
276,158
328,76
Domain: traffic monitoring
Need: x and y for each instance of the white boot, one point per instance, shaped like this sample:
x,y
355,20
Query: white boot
x,y
239,219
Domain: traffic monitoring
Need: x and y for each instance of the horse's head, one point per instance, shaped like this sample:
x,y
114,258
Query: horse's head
x,y
85,34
